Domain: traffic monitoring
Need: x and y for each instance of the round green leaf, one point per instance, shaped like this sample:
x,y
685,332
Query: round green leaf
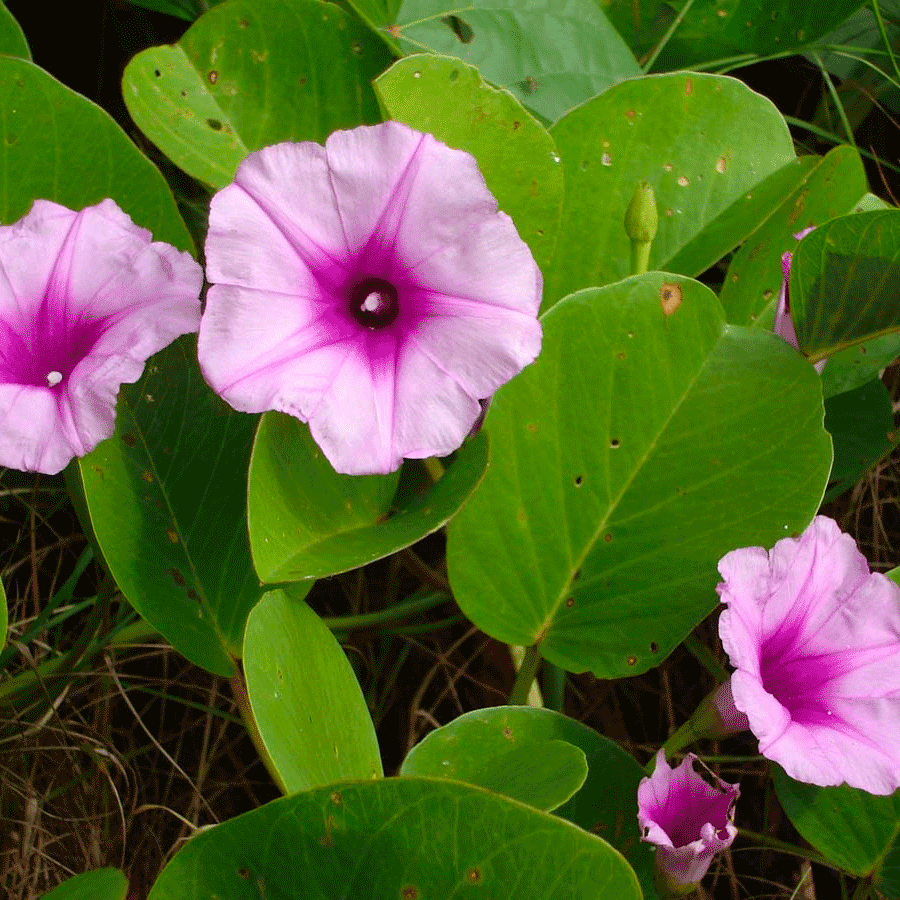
x,y
307,703
649,439
753,282
852,828
307,521
478,747
100,884
166,501
845,282
250,73
713,30
515,153
396,838
861,425
701,142
508,750
59,146
12,38
550,55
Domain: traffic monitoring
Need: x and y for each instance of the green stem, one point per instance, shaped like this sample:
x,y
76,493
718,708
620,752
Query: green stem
x,y
835,99
654,53
863,889
705,657
765,840
387,616
640,257
554,683
876,8
242,701
518,696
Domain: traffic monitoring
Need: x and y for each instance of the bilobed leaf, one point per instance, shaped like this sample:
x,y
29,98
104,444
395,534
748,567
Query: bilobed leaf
x,y
649,439
700,141
845,282
475,748
552,54
99,884
396,838
854,829
307,703
250,73
711,29
831,188
166,500
307,521
59,146
861,425
516,155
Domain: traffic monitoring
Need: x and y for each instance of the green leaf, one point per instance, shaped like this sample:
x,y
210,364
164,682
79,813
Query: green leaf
x,y
307,521
515,153
861,425
12,38
188,10
712,30
250,73
854,829
308,705
701,142
479,746
552,55
396,838
754,277
59,146
845,282
100,884
649,439
856,366
166,500
512,751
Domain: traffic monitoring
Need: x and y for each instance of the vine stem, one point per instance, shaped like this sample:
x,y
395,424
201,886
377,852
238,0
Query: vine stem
x,y
518,696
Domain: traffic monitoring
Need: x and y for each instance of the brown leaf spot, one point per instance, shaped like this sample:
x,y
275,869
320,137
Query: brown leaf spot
x,y
409,893
507,733
177,577
614,444
243,873
721,164
474,876
129,439
630,113
336,798
147,475
570,602
244,23
607,538
689,86
632,660
531,427
517,126
172,535
213,76
669,298
683,180
578,481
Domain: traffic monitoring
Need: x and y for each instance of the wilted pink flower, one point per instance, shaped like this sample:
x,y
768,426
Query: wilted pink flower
x,y
815,639
783,325
85,298
369,287
688,819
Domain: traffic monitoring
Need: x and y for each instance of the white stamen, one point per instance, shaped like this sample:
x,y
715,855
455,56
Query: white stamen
x,y
373,302
54,378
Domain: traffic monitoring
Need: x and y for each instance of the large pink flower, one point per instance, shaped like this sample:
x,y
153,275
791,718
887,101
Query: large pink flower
x,y
815,639
369,287
85,298
688,819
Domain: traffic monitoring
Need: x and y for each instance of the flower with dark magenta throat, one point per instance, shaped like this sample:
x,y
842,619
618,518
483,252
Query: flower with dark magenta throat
x,y
688,819
369,287
815,639
86,299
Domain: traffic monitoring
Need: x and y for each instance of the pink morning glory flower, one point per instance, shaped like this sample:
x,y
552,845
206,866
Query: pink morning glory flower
x,y
688,819
815,639
369,287
783,325
85,298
